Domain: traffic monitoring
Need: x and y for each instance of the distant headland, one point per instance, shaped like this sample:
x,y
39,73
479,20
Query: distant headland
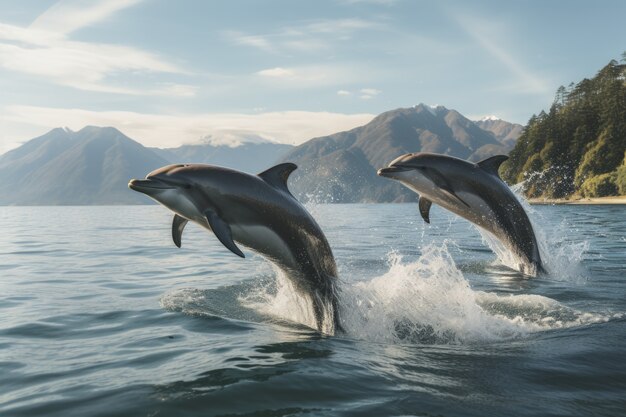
x,y
578,148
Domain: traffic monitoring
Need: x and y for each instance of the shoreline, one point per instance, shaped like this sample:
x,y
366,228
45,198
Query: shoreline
x,y
579,201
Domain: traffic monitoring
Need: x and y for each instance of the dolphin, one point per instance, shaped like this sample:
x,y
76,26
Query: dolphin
x,y
473,191
258,212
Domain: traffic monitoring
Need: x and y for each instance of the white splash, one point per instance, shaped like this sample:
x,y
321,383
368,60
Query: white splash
x,y
562,258
427,301
280,300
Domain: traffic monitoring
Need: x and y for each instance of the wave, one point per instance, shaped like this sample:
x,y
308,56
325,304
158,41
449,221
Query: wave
x,y
561,257
428,301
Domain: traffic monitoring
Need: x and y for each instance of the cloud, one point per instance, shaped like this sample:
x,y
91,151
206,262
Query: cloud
x,y
313,76
364,93
341,26
43,50
159,130
311,36
369,93
490,39
66,16
240,38
277,72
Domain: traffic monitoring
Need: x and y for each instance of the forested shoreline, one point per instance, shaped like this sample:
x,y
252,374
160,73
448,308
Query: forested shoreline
x,y
578,148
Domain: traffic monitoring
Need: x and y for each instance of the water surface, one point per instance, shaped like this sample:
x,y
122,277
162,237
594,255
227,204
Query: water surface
x,y
102,315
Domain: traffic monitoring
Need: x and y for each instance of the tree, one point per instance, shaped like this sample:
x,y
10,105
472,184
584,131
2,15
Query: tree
x,y
583,137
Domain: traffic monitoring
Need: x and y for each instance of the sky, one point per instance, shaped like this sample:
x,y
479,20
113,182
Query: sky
x,y
171,72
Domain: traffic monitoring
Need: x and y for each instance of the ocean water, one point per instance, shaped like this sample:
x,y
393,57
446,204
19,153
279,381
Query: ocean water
x,y
101,315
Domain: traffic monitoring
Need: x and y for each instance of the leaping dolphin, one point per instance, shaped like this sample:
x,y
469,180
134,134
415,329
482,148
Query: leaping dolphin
x,y
474,192
259,212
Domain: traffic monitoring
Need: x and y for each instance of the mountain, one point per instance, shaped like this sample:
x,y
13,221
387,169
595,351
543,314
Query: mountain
x,y
90,166
94,164
242,151
507,133
577,148
342,167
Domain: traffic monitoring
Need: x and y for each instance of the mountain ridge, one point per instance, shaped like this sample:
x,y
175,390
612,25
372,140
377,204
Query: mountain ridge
x,y
342,167
93,165
90,166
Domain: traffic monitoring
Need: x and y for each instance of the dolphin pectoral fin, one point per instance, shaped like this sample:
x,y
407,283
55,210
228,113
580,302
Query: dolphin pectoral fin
x,y
452,195
222,231
492,164
442,183
178,225
424,206
277,175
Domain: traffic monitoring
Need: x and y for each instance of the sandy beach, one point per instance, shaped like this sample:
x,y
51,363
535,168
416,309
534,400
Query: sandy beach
x,y
599,200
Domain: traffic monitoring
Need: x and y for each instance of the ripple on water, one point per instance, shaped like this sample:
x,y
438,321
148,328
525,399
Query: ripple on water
x,y
437,327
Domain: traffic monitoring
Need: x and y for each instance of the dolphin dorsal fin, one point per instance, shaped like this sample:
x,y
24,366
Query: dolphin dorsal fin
x,y
492,164
424,206
277,175
178,225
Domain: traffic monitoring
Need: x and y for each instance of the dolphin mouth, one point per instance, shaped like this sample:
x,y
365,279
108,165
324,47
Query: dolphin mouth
x,y
383,172
149,184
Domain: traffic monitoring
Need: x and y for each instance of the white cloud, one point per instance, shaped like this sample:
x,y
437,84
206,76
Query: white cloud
x,y
277,72
313,76
66,16
344,93
159,130
311,36
43,50
240,38
234,138
341,26
369,93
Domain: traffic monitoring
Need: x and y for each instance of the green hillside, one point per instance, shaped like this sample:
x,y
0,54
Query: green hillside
x,y
579,146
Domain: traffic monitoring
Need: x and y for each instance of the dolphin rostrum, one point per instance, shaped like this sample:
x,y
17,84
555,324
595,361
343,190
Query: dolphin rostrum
x,y
474,192
259,212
